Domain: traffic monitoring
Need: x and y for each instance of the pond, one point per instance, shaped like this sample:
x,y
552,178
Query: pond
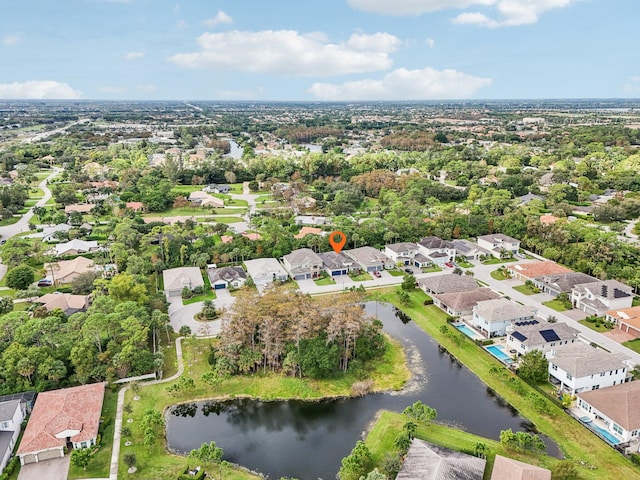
x,y
307,440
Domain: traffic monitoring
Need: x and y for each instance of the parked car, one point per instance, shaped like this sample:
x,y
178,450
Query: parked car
x,y
449,264
376,274
408,270
44,282
521,255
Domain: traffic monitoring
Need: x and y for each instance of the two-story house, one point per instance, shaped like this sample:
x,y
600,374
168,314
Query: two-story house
x,y
302,264
12,413
438,251
524,337
492,317
401,253
578,367
598,297
336,264
499,245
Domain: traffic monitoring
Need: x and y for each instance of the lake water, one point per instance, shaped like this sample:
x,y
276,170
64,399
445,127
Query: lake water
x,y
236,151
307,440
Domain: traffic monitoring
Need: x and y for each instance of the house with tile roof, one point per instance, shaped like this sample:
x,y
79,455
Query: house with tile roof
x,y
578,367
226,277
175,279
616,410
598,297
526,336
438,251
556,284
336,264
67,302
627,319
79,207
65,271
401,253
447,283
304,231
532,270
76,247
135,206
492,317
369,259
12,413
69,415
499,245
302,264
427,461
505,468
460,304
204,199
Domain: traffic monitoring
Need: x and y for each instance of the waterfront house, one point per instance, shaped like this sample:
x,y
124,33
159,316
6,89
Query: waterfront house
x,y
492,317
526,336
426,461
447,283
505,468
460,304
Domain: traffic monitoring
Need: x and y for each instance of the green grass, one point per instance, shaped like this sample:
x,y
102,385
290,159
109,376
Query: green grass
x,y
237,202
264,198
155,462
557,305
362,277
383,433
210,295
101,460
499,275
526,289
431,269
636,302
395,273
185,190
596,326
10,220
225,220
192,211
328,280
463,264
497,261
574,440
633,345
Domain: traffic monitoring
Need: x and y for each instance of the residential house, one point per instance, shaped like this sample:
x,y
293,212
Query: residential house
x,y
69,415
50,232
253,236
303,264
226,277
548,219
447,283
460,304
493,317
401,253
304,231
531,270
336,264
65,271
578,367
530,335
627,319
499,245
469,250
526,199
135,206
505,468
427,461
12,413
76,247
226,238
598,297
175,279
67,302
79,207
559,283
369,259
616,410
438,251
311,220
217,188
203,199
264,271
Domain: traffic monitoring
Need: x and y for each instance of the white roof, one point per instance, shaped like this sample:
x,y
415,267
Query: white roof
x,y
263,267
76,244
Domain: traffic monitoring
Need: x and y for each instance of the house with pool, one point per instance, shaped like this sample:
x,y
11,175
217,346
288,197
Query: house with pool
x,y
524,337
579,367
493,317
460,304
614,410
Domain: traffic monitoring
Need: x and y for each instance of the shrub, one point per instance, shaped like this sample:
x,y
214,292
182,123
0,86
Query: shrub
x,y
360,389
186,292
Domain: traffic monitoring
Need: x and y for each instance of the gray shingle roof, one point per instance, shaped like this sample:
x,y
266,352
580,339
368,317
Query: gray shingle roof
x,y
580,359
426,461
463,301
448,283
532,336
502,309
334,261
228,274
434,242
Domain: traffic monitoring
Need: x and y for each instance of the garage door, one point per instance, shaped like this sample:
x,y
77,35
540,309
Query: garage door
x,y
26,459
49,454
218,286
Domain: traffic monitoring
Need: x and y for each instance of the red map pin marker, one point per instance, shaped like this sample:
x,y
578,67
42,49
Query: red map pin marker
x,y
337,244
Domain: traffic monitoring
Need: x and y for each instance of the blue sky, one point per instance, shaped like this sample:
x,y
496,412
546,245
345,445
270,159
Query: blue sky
x,y
319,49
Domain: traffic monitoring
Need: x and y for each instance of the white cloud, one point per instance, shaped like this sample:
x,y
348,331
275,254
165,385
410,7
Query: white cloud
x,y
10,39
134,55
509,12
402,84
632,85
146,87
287,52
220,19
430,42
112,90
37,90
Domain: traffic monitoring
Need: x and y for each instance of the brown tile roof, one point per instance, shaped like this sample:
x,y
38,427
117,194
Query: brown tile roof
x,y
509,469
135,206
63,269
537,269
304,231
79,207
628,316
75,408
63,301
226,238
548,219
252,236
619,403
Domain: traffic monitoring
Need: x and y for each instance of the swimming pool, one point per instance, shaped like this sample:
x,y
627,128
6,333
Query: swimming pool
x,y
499,352
609,437
467,331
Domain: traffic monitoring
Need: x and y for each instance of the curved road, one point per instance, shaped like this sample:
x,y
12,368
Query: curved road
x,y
22,225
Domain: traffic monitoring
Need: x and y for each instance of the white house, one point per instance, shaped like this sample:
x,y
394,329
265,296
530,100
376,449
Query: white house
x,y
499,245
76,247
303,264
460,304
48,233
530,335
12,414
438,251
616,410
469,250
493,317
264,271
175,279
401,253
578,367
226,277
598,297
369,259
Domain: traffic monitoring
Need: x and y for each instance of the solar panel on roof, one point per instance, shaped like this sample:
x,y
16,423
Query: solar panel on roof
x,y
518,336
549,335
619,293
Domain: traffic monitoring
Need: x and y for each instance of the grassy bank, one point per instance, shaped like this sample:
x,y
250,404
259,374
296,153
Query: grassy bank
x,y
574,440
390,372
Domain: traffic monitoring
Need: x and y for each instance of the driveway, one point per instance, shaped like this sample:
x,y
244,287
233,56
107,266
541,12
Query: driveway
x,y
54,469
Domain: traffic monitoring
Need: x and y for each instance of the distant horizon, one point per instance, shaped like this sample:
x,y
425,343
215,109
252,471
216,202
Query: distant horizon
x,y
328,51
